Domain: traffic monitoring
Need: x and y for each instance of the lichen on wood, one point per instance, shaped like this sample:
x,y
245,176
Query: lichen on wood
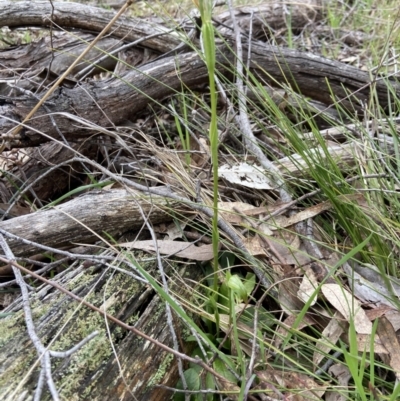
x,y
116,364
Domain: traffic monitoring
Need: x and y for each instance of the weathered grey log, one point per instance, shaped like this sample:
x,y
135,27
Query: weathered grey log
x,y
262,19
84,17
130,371
54,55
312,75
116,100
107,212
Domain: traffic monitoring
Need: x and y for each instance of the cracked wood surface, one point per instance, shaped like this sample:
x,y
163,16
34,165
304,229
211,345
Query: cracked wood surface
x,y
312,75
104,103
86,18
87,219
116,364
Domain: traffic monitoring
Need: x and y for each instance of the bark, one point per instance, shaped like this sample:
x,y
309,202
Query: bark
x,y
263,19
65,50
34,168
115,100
86,18
115,365
86,219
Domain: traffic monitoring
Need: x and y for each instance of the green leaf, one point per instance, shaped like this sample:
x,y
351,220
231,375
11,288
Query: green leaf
x,y
209,273
223,297
264,318
192,377
195,367
226,259
210,385
221,368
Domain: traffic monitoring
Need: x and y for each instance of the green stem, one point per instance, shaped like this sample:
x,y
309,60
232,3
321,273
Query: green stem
x,y
207,31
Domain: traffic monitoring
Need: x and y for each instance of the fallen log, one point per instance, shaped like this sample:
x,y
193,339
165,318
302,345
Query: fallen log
x,y
33,172
97,104
87,18
88,218
114,365
263,18
311,75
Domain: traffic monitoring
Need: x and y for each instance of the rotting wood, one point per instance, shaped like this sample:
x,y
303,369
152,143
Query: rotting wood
x,y
107,212
31,167
84,106
308,73
86,18
129,372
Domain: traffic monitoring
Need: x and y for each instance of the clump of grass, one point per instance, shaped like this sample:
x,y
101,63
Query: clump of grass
x,y
367,231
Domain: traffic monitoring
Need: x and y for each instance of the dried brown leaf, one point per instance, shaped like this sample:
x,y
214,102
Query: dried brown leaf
x,y
247,175
364,344
255,246
305,388
230,211
290,250
348,306
185,250
308,286
287,296
226,385
389,340
343,375
329,337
